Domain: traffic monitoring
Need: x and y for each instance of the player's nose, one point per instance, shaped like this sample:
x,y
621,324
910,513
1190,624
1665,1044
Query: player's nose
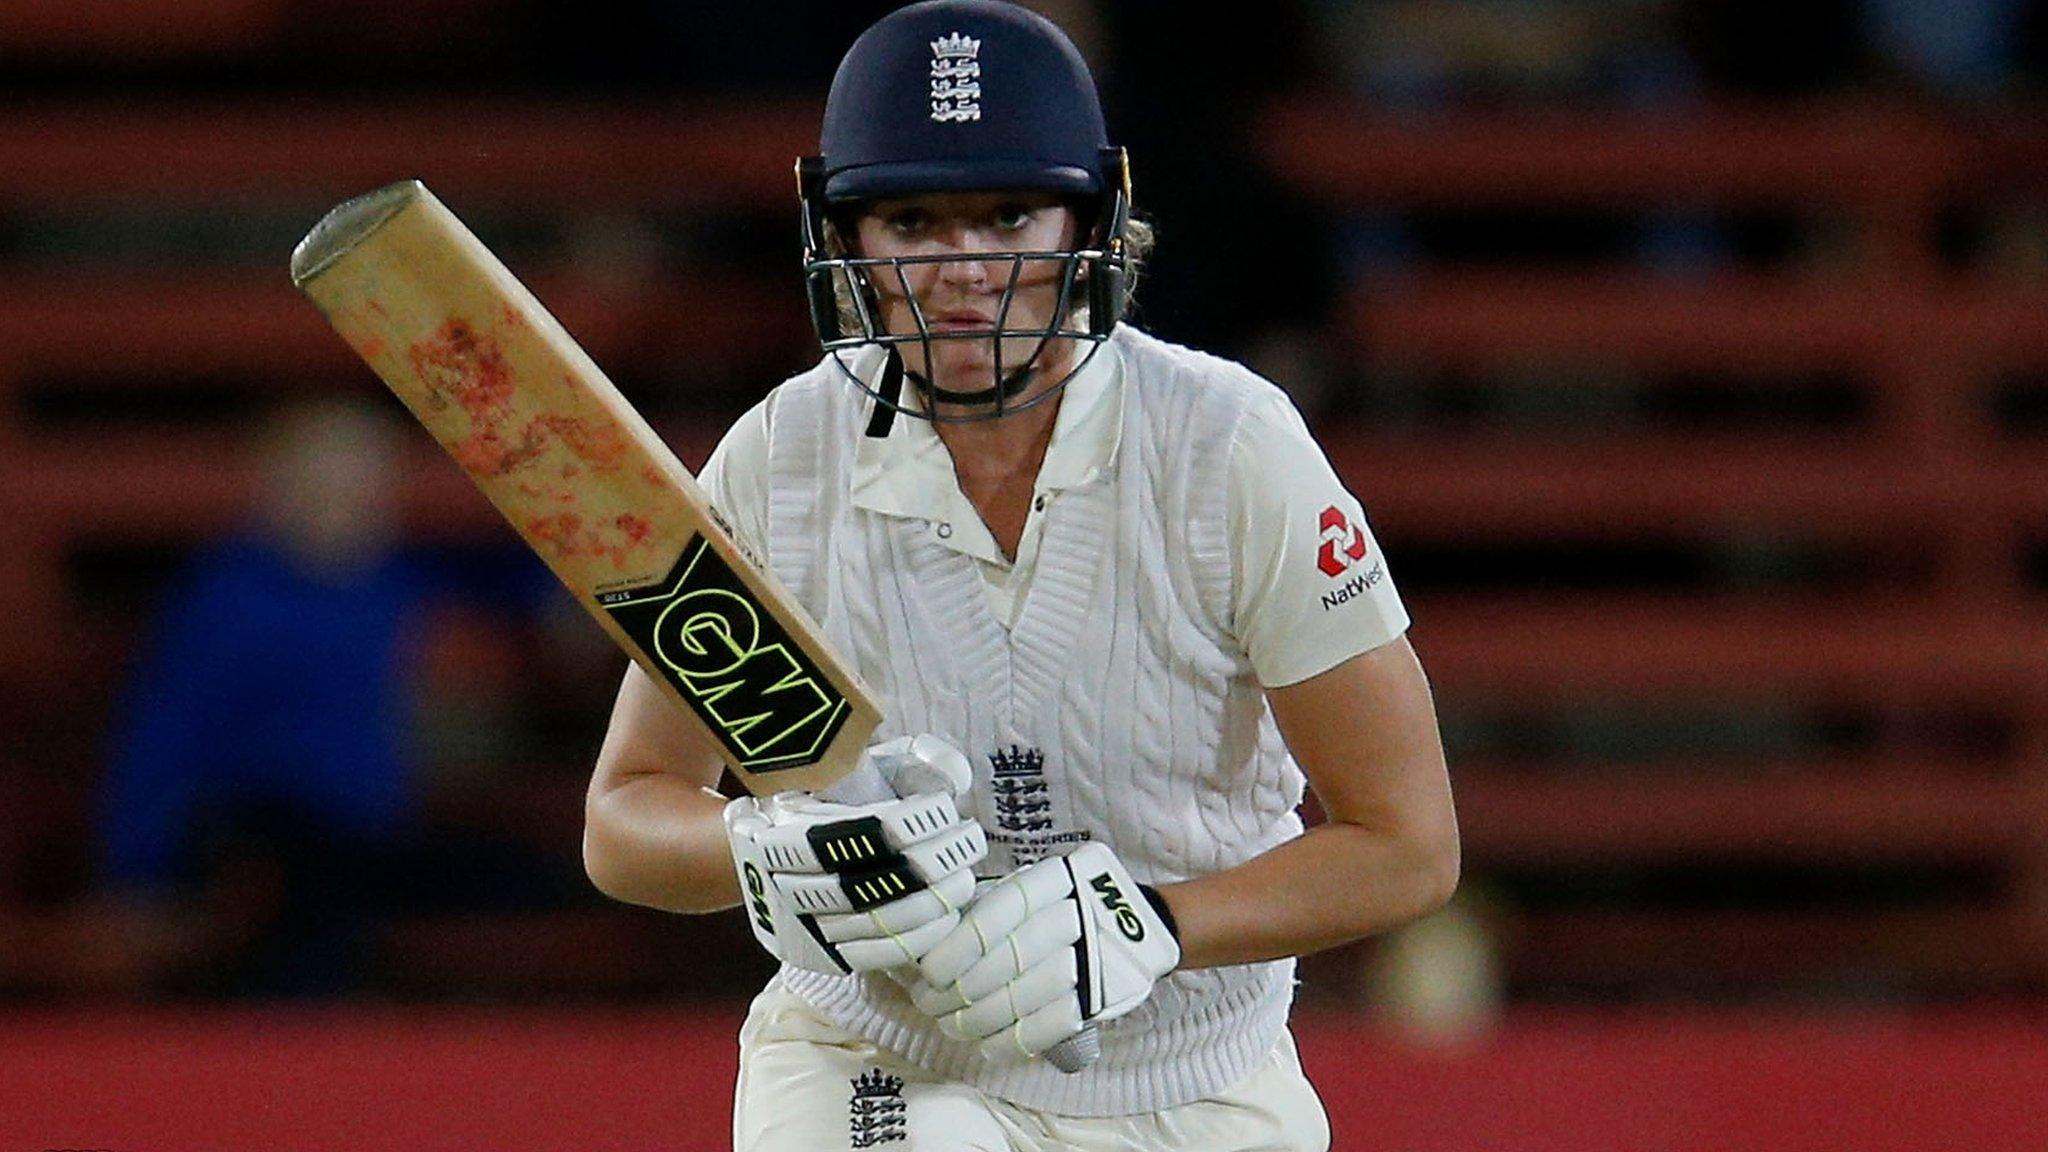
x,y
969,268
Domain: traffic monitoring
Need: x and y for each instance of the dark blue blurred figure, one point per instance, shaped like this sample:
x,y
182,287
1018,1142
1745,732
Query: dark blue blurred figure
x,y
262,799
277,671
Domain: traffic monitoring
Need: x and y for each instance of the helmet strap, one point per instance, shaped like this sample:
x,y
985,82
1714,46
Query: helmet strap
x,y
1012,383
1108,275
888,397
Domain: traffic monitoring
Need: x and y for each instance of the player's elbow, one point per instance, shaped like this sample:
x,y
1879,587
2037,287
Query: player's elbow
x,y
1426,864
1439,868
614,865
606,866
1429,843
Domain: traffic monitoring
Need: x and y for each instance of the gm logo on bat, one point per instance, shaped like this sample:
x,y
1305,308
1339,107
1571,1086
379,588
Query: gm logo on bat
x,y
732,662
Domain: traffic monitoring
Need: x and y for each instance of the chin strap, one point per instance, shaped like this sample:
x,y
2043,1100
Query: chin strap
x,y
1012,384
888,395
888,390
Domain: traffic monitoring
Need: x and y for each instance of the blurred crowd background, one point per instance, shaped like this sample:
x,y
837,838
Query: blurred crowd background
x,y
1691,357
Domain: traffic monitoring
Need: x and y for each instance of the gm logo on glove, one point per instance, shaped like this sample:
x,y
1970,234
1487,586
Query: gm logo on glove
x,y
757,895
1127,921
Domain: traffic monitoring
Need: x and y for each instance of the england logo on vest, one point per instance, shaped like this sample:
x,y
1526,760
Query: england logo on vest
x,y
876,1114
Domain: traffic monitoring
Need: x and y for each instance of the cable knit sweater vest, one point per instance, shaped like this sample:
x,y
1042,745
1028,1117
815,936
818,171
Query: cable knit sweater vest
x,y
1119,708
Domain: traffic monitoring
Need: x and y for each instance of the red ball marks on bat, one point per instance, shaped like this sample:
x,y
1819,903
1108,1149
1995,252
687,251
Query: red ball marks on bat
x,y
458,362
484,452
563,531
602,444
636,528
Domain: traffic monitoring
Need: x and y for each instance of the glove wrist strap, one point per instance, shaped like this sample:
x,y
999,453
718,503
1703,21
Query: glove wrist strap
x,y
1159,906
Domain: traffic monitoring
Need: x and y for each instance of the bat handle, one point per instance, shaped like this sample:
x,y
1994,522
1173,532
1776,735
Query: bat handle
x,y
865,785
1077,1051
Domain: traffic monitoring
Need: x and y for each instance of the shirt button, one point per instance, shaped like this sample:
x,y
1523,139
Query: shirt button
x,y
944,530
1039,504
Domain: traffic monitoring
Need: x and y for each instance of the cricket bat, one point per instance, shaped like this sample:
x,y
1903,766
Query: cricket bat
x,y
621,522
554,446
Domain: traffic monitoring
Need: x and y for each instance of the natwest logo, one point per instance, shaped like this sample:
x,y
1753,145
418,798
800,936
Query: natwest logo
x,y
1343,543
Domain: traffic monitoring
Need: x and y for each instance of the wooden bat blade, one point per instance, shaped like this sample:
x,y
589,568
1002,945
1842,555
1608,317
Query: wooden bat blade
x,y
589,485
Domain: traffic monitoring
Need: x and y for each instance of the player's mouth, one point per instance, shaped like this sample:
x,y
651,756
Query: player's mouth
x,y
960,320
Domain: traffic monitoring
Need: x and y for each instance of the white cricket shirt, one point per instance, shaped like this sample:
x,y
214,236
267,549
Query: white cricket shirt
x,y
1311,589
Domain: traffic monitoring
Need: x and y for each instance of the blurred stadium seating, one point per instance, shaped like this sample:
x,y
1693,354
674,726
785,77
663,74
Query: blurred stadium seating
x,y
1732,578
1752,613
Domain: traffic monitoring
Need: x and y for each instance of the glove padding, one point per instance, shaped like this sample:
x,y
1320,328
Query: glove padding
x,y
855,887
1045,950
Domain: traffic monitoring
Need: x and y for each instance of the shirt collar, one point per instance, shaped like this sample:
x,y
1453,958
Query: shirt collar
x,y
1090,424
910,473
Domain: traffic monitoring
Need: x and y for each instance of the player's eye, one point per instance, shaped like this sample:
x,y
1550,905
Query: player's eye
x,y
1014,217
907,221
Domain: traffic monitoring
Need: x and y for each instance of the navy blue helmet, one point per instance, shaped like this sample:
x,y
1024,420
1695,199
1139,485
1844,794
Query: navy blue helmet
x,y
963,96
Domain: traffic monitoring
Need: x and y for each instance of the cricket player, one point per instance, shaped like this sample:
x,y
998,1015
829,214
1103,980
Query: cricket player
x,y
1121,611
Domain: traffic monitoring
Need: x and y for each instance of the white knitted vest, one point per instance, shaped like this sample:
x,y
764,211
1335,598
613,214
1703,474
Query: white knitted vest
x,y
1118,709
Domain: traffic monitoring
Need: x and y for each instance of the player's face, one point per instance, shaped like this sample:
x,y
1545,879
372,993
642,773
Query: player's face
x,y
964,296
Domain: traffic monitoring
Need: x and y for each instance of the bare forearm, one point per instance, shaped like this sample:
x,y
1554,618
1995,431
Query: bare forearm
x,y
1365,734
653,828
658,840
1338,883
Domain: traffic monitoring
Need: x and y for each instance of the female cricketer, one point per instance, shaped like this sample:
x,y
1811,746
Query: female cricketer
x,y
1122,612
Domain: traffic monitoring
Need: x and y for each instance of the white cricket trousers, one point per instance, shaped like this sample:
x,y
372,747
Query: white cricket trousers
x,y
807,1086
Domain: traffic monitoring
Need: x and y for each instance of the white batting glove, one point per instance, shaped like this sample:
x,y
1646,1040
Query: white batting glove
x,y
1045,950
856,887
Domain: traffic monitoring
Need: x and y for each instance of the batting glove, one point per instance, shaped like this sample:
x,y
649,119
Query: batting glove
x,y
857,887
1044,951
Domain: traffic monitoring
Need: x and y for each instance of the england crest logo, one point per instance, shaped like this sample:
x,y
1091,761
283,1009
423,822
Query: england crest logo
x,y
956,78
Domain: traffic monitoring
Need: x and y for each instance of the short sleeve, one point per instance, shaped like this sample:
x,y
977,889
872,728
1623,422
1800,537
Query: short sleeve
x,y
736,479
1310,589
